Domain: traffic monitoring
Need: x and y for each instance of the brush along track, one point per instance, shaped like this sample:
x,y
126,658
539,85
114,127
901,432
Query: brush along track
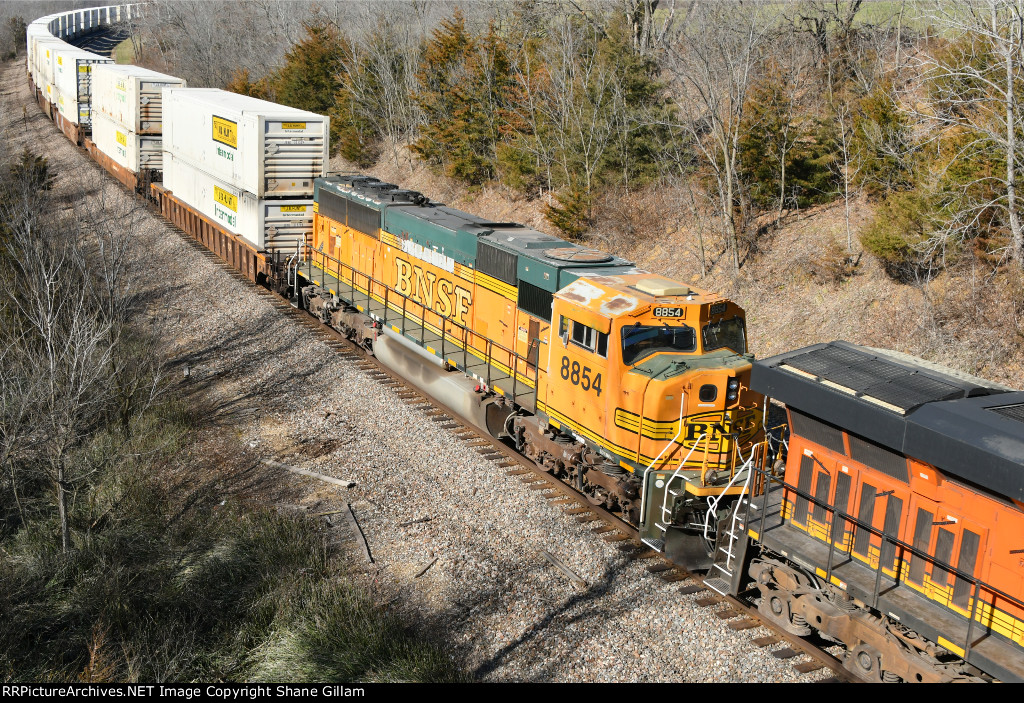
x,y
737,614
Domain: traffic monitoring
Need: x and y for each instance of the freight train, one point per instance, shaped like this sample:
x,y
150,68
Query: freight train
x,y
883,515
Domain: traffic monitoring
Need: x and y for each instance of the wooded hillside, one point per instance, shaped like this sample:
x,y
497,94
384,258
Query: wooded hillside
x,y
706,127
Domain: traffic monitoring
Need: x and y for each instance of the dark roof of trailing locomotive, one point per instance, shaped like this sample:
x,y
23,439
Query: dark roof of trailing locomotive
x,y
964,426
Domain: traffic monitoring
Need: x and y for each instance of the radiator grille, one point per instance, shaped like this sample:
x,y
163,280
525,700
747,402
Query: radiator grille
x,y
535,300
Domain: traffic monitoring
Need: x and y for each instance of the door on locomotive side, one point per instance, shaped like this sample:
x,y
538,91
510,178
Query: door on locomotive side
x,y
577,388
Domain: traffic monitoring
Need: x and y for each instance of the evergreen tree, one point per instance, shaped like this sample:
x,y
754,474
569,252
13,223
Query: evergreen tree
x,y
465,83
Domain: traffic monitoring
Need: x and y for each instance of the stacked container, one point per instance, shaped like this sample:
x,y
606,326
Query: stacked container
x,y
246,163
45,54
72,79
127,106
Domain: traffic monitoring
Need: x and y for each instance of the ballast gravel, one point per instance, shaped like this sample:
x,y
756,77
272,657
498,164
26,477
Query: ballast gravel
x,y
505,612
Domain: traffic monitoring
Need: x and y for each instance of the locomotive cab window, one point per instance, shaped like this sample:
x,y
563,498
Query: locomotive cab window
x,y
586,337
726,334
640,341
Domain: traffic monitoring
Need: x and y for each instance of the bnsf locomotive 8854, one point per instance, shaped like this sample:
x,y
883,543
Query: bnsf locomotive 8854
x,y
598,370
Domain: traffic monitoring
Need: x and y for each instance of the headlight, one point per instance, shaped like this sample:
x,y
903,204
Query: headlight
x,y
734,384
731,395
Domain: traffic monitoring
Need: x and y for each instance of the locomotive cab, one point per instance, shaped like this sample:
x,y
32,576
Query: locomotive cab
x,y
654,376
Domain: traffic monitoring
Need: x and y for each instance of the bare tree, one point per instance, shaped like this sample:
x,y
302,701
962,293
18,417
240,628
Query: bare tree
x,y
830,23
577,100
974,88
60,333
712,64
848,165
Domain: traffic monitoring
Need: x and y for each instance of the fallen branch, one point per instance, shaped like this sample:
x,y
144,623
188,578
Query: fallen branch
x,y
425,568
572,575
415,522
358,532
344,483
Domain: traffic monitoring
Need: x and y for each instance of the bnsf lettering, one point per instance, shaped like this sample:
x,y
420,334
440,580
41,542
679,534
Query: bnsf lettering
x,y
440,295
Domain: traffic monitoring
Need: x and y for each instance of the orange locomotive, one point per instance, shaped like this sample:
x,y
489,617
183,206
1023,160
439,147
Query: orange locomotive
x,y
898,525
597,370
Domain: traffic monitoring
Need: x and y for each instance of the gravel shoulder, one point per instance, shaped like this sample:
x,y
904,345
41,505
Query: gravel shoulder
x,y
505,611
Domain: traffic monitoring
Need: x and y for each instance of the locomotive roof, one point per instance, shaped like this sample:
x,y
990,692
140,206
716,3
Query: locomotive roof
x,y
541,259
967,427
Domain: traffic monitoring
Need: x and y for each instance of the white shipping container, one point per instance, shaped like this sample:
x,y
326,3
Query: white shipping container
x,y
133,151
45,54
72,69
35,31
132,95
253,145
274,225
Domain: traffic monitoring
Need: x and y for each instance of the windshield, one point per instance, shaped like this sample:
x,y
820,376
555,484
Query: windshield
x,y
726,333
639,341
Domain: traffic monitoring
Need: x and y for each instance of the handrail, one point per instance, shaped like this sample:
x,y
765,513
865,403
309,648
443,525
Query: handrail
x,y
904,552
466,337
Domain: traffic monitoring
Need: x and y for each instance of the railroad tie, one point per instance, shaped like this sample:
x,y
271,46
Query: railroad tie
x,y
692,588
785,653
808,667
766,641
708,601
659,567
743,623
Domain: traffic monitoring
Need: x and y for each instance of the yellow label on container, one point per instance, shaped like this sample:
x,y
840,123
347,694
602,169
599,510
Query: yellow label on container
x,y
225,132
225,198
85,69
293,208
293,125
121,85
60,60
122,139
